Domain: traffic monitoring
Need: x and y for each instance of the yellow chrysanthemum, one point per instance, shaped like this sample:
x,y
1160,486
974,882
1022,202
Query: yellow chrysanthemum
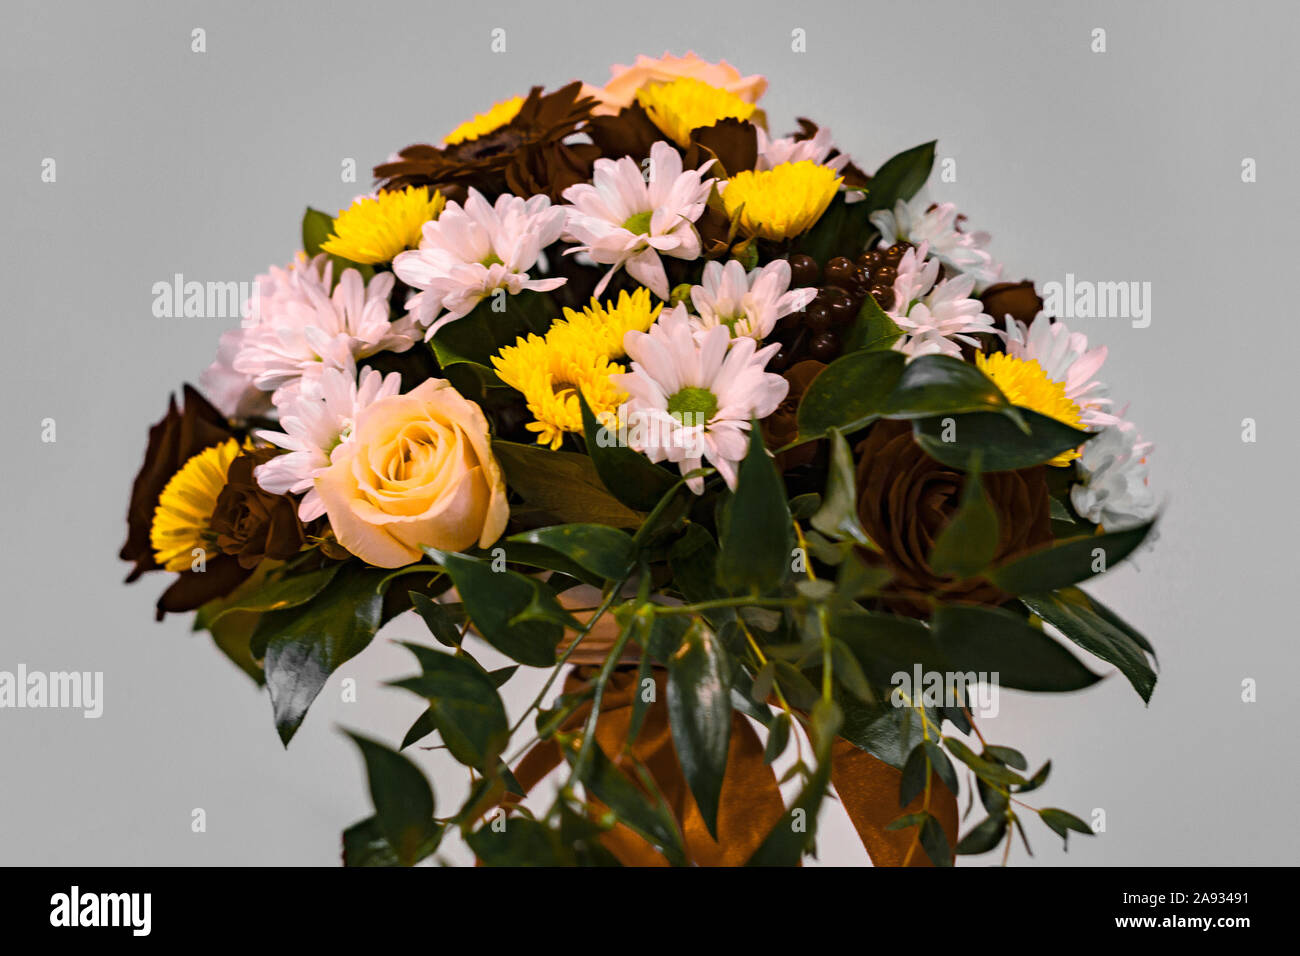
x,y
551,373
687,103
483,123
375,229
1026,385
782,201
601,328
182,520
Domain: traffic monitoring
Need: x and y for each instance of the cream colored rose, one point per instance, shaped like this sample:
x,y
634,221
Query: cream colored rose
x,y
620,91
417,471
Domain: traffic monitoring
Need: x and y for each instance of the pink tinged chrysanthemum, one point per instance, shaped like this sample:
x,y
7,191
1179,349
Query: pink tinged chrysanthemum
x,y
317,420
232,393
692,394
787,149
747,303
471,251
626,220
298,327
1066,358
939,226
935,317
1113,490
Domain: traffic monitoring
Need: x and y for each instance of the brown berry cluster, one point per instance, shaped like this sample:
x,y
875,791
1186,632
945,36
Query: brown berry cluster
x,y
818,331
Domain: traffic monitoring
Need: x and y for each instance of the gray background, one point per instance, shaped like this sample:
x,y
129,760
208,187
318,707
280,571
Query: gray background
x,y
1115,166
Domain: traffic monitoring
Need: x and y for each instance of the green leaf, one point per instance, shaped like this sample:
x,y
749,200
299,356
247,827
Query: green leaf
x,y
986,834
631,806
438,620
943,385
306,644
699,712
874,330
849,393
629,475
935,842
424,725
795,832
778,738
757,540
986,770
495,600
364,844
886,645
837,517
403,801
969,541
941,765
997,642
602,550
1068,562
562,484
900,177
465,706
520,842
1006,755
1062,823
482,333
1072,613
993,442
286,592
915,774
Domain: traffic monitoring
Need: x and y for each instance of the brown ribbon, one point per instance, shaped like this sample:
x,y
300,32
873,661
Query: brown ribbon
x,y
751,801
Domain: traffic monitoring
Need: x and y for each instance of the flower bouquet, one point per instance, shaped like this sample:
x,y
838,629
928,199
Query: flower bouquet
x,y
755,453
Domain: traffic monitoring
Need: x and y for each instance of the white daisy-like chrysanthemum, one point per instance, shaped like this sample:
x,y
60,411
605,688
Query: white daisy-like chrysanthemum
x,y
1065,357
317,420
232,393
471,251
692,394
1113,491
297,328
918,221
625,220
935,317
747,303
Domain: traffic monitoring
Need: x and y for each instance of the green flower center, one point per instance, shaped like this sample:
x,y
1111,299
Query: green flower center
x,y
699,403
492,260
639,225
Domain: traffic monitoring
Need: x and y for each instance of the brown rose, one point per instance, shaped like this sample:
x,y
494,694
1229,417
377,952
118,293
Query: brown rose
x,y
906,498
782,426
251,523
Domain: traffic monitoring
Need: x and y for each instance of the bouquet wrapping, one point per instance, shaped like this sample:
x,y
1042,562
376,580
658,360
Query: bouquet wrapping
x,y
760,457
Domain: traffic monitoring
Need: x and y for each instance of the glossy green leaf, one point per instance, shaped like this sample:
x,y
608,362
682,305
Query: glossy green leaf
x,y
1068,562
495,600
849,393
993,442
885,644
364,844
653,821
992,641
1072,613
520,842
757,538
561,484
984,836
900,177
604,551
277,595
465,706
699,712
837,518
629,475
969,541
942,385
437,619
306,644
873,330
403,800
986,770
